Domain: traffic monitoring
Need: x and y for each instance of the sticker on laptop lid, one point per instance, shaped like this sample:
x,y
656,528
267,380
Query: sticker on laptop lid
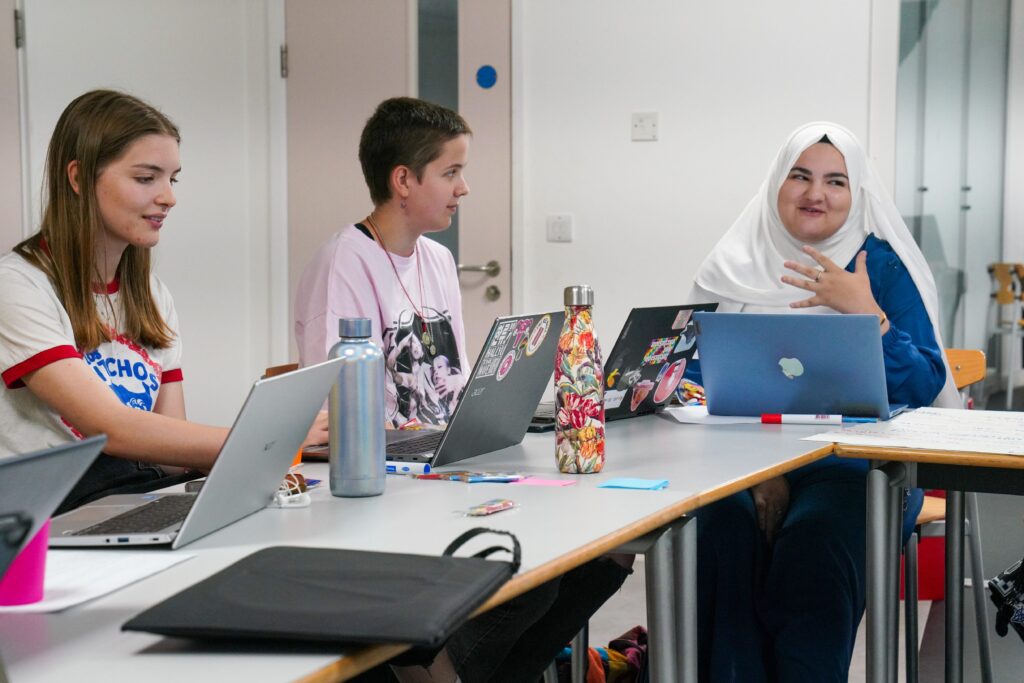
x,y
537,336
613,399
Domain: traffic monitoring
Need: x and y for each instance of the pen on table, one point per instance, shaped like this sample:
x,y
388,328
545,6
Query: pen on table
x,y
777,419
408,468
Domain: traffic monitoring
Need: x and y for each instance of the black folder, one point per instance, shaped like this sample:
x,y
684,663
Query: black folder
x,y
336,596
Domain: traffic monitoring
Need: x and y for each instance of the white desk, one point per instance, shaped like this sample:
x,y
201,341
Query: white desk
x,y
702,464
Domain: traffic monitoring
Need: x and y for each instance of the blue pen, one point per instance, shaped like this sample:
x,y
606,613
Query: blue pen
x,y
408,468
860,420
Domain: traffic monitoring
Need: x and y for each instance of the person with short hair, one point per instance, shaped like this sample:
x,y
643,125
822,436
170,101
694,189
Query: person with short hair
x,y
89,339
414,154
781,567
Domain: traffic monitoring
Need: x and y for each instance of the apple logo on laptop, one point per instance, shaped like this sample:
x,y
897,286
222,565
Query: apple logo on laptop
x,y
791,367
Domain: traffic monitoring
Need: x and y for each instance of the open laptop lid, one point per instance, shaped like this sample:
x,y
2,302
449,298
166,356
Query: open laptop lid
x,y
649,359
33,485
756,363
260,447
508,380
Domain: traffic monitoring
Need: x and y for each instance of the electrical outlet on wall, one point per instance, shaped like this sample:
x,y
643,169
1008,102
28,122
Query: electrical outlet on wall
x,y
559,227
645,126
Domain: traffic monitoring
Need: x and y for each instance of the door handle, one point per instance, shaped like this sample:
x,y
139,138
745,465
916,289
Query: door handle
x,y
491,269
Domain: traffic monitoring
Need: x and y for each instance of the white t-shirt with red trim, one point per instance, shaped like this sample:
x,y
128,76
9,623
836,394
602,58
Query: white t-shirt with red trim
x,y
351,277
35,331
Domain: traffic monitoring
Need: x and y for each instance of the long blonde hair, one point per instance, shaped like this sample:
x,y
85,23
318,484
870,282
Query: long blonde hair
x,y
95,130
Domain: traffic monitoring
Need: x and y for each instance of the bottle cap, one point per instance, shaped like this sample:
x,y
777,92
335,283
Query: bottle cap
x,y
354,327
579,295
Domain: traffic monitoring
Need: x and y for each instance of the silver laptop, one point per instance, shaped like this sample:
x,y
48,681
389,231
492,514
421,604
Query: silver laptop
x,y
33,485
498,401
757,363
260,447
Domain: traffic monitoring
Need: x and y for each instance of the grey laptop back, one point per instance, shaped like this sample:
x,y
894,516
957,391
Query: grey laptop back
x,y
33,485
261,445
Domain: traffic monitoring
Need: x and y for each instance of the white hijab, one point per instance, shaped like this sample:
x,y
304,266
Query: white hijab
x,y
743,271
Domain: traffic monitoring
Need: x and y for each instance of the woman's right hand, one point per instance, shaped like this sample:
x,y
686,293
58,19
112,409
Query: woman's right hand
x,y
771,501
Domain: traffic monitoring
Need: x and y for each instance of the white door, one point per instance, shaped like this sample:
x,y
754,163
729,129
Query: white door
x,y
208,66
344,57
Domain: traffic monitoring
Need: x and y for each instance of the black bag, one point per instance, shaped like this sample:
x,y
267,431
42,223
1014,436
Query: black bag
x,y
336,596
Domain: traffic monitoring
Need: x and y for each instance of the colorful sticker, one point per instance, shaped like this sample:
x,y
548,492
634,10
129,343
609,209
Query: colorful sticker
x,y
613,399
506,365
659,350
640,392
668,380
540,332
630,378
522,335
495,352
612,376
682,318
687,339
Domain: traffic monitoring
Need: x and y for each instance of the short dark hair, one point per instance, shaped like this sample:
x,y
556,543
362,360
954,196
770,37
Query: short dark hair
x,y
404,131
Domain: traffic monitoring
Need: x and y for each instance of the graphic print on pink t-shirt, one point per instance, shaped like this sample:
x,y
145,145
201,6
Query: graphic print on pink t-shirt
x,y
414,368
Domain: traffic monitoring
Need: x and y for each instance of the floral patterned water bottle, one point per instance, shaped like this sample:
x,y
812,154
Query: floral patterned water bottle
x,y
579,388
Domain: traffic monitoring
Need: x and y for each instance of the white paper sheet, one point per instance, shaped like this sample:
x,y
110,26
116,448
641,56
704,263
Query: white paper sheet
x,y
76,576
940,429
698,415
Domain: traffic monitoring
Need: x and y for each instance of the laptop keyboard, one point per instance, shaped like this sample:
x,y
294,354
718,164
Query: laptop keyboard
x,y
421,444
545,411
145,519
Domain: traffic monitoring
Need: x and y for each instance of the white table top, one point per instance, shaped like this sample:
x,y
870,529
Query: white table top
x,y
556,526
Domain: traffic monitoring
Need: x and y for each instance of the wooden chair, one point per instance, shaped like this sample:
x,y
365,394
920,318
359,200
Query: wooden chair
x,y
276,370
968,368
1006,319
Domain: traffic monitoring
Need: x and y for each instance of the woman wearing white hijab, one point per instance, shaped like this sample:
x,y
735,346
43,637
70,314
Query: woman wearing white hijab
x,y
781,568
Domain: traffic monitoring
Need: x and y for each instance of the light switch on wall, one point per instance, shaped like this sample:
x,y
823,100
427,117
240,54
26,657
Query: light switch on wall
x,y
559,227
645,126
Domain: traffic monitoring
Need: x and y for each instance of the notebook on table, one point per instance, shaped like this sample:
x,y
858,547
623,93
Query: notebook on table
x,y
758,363
645,365
33,485
254,459
497,403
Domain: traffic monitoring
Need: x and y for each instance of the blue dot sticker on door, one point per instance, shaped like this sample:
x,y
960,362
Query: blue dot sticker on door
x,y
486,76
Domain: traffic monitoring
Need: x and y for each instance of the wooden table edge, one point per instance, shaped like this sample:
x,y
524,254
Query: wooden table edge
x,y
368,657
935,457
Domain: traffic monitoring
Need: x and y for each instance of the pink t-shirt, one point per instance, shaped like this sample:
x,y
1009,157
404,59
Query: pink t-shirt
x,y
350,276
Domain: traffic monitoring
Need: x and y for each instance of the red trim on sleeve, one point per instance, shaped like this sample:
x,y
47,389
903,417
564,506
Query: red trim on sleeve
x,y
171,376
12,375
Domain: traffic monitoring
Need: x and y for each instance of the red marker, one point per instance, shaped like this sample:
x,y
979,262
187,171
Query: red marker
x,y
776,419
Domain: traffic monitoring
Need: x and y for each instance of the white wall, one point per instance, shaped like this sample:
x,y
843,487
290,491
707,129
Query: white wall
x,y
730,80
1013,197
206,65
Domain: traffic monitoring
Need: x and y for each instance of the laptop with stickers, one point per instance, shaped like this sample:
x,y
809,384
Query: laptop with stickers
x,y
760,363
251,465
646,363
498,401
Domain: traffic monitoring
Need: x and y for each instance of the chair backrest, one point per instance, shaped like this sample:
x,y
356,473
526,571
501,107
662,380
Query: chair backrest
x,y
1002,280
968,366
275,370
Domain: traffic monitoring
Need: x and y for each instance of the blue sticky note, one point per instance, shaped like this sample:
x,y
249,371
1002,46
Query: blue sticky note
x,y
631,483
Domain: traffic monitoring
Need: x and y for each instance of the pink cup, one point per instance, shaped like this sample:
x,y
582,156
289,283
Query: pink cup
x,y
23,582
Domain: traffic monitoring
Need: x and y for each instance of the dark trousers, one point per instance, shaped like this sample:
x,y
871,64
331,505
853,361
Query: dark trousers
x,y
789,612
